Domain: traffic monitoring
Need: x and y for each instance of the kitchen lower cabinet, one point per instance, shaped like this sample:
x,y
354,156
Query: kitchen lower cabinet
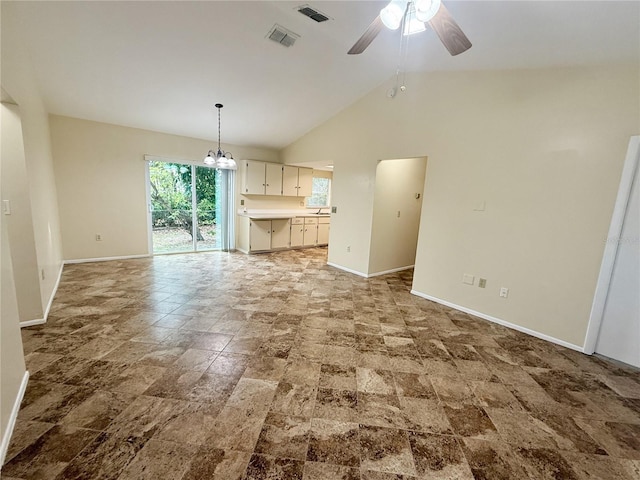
x,y
297,232
263,235
269,235
323,232
310,237
280,234
260,235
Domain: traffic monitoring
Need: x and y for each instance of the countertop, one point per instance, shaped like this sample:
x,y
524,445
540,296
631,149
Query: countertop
x,y
282,214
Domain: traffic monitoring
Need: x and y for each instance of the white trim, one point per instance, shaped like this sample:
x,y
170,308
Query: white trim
x,y
156,158
32,323
6,438
105,259
369,275
43,320
611,247
147,192
513,326
393,270
355,272
53,293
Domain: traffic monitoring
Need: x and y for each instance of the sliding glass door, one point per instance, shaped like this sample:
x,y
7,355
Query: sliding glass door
x,y
189,204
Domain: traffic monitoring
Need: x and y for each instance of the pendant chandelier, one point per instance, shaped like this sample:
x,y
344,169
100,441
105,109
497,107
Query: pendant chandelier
x,y
220,159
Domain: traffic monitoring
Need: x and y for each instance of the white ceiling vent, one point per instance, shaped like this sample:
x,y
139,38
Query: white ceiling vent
x,y
282,36
312,13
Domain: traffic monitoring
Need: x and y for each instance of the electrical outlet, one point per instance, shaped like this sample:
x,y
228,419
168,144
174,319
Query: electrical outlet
x,y
42,273
482,282
348,248
98,237
241,201
504,292
398,213
334,209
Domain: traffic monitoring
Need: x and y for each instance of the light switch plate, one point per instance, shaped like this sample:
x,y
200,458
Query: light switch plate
x,y
6,207
468,279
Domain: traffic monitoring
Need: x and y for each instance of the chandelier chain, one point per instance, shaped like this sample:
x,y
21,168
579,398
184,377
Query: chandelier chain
x,y
218,128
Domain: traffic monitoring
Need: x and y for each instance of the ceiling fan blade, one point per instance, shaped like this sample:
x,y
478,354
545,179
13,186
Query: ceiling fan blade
x,y
449,32
367,37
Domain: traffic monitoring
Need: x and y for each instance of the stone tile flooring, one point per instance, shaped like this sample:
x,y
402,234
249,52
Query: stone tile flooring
x,y
276,366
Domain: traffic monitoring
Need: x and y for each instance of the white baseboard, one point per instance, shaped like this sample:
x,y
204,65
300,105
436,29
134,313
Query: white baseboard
x,y
32,323
355,272
6,438
105,259
369,275
393,270
43,320
499,321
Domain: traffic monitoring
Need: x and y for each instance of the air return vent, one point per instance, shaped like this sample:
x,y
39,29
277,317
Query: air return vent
x,y
282,36
313,14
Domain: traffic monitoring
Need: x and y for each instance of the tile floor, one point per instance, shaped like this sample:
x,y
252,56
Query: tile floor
x,y
276,366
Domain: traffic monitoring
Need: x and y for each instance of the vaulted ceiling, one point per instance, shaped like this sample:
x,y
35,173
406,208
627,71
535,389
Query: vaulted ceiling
x,y
163,65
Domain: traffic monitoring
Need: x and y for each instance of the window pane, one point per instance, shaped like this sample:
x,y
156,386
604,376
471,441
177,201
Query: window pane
x,y
320,192
206,198
172,220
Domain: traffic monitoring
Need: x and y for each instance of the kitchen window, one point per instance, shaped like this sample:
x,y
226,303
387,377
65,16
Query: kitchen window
x,y
320,193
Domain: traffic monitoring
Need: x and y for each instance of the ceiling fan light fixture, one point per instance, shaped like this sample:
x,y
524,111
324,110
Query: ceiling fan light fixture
x,y
412,24
426,9
392,14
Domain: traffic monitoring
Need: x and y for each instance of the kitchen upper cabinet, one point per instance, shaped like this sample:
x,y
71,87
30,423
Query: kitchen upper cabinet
x,y
297,181
290,181
273,179
254,178
305,182
262,178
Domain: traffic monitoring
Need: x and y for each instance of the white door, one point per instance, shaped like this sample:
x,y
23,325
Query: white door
x,y
323,234
310,236
297,234
290,181
280,233
614,324
254,179
620,330
260,235
273,177
305,182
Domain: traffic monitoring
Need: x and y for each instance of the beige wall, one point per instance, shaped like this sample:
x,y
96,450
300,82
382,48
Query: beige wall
x,y
12,366
15,190
100,177
394,238
19,81
542,148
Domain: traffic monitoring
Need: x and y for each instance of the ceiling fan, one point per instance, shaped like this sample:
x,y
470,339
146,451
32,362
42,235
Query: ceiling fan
x,y
413,14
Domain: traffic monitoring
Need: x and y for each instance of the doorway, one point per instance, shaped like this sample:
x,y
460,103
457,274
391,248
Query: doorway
x,y
614,326
187,203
